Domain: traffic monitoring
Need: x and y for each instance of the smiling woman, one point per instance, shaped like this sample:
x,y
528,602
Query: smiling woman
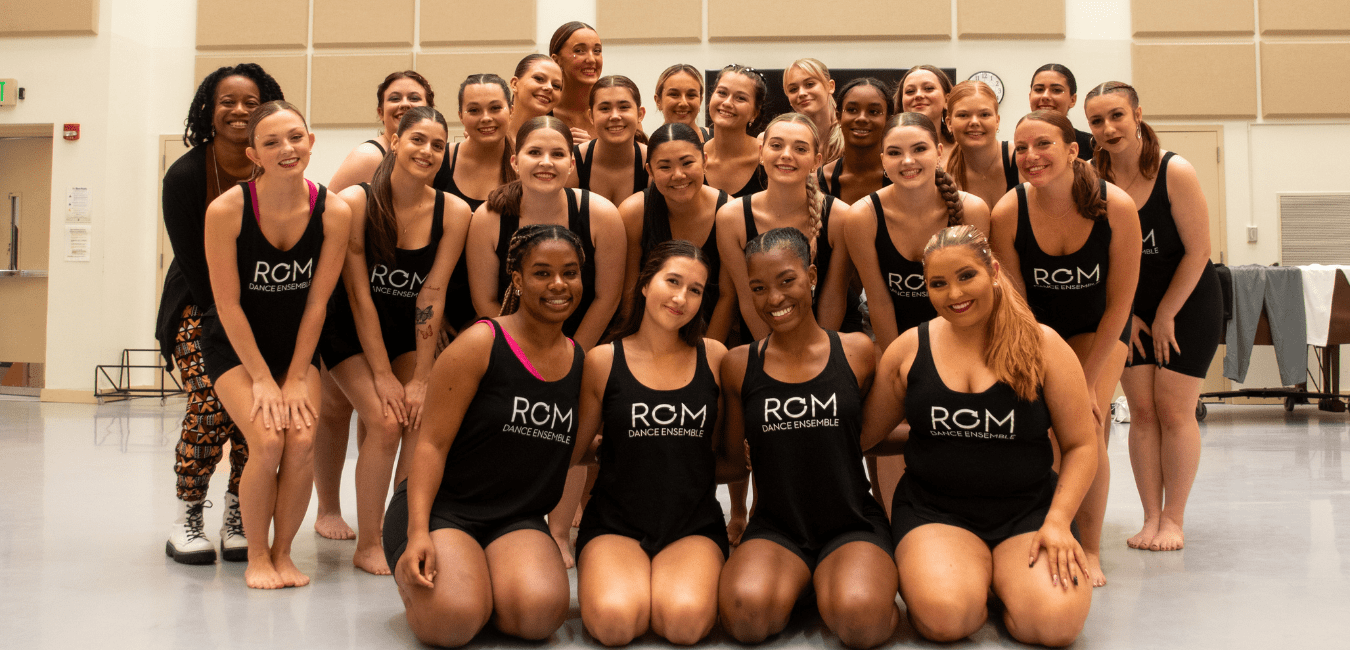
x,y
576,48
979,506
399,92
216,130
611,165
274,246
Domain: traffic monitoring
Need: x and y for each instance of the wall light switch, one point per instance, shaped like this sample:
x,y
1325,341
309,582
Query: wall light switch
x,y
1251,234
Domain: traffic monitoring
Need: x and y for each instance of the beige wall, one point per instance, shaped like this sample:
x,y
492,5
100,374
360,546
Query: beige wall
x,y
48,17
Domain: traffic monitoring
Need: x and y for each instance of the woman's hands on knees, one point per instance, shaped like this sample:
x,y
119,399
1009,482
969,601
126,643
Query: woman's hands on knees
x,y
417,565
414,395
390,391
1065,558
297,408
269,402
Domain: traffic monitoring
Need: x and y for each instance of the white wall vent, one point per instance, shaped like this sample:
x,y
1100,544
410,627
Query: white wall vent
x,y
1314,228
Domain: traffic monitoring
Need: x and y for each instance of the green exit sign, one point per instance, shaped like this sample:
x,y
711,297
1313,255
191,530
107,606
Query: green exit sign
x,y
9,92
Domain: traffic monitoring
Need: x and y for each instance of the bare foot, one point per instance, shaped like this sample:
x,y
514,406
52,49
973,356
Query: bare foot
x,y
333,527
1095,570
1169,538
290,575
735,528
261,574
565,547
371,560
1145,536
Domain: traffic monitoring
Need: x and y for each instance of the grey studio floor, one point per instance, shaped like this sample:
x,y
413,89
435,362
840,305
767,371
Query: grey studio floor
x,y
86,493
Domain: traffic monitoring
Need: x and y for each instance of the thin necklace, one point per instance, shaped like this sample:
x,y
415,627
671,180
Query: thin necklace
x,y
215,162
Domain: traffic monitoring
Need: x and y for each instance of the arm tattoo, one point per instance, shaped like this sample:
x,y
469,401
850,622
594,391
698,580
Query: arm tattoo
x,y
422,315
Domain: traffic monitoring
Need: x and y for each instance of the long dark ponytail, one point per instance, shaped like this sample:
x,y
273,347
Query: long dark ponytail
x,y
381,223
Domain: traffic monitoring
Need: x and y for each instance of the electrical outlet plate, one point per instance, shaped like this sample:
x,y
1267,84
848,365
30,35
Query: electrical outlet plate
x,y
1251,234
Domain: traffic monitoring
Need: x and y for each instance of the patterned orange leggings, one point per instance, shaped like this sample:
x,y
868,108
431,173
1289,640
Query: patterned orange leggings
x,y
206,426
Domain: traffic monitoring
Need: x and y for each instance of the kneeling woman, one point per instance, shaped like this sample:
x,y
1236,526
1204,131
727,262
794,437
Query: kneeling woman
x,y
979,504
500,432
796,399
652,540
274,254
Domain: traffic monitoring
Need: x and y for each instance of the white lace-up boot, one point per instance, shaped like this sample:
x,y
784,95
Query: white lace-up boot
x,y
233,545
187,536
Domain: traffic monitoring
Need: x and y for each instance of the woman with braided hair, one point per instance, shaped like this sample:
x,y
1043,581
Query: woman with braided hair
x,y
791,156
1178,309
465,533
886,235
1071,244
815,525
216,129
888,229
979,163
543,160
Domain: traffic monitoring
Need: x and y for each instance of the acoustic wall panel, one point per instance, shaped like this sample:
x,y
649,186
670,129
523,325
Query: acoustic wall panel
x,y
48,17
1305,80
344,87
289,71
670,21
777,20
1184,81
361,23
1312,17
461,22
1193,17
237,24
1010,19
447,71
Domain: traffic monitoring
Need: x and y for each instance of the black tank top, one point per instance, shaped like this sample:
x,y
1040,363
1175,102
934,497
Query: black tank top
x,y
274,284
378,145
509,459
832,185
804,449
904,279
394,291
977,455
445,180
712,290
657,468
759,181
1163,248
584,167
1066,292
579,222
1009,169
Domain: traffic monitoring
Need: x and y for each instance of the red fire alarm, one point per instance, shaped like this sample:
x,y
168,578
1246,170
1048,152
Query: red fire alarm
x,y
71,132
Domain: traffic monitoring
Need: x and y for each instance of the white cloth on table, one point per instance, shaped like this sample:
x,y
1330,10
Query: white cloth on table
x,y
1319,282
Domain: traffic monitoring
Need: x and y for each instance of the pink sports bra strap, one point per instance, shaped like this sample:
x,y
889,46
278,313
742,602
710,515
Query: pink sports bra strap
x,y
520,354
253,192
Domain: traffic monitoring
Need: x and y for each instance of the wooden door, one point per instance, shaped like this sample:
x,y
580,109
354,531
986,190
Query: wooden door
x,y
1202,146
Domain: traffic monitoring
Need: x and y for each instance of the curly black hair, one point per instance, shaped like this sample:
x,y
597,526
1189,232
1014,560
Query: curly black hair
x,y
199,128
